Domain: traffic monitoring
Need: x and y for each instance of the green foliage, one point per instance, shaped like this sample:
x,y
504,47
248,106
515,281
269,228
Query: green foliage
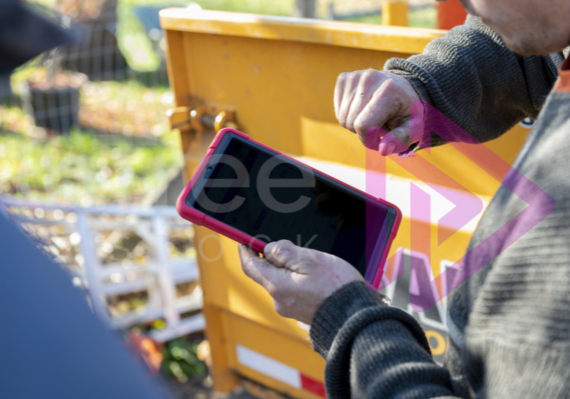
x,y
423,18
180,360
136,46
81,168
133,40
420,18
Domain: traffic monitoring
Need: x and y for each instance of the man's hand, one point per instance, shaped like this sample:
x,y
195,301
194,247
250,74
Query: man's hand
x,y
298,279
369,99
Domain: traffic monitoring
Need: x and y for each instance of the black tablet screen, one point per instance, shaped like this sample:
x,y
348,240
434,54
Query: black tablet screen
x,y
271,198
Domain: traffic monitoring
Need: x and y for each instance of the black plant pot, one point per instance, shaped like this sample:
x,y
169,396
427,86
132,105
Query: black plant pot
x,y
56,108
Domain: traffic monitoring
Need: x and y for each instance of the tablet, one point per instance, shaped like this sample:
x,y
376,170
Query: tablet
x,y
255,195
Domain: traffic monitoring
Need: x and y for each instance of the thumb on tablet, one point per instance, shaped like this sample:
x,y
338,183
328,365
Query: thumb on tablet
x,y
258,269
281,253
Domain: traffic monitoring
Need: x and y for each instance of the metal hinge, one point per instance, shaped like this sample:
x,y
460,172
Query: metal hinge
x,y
206,116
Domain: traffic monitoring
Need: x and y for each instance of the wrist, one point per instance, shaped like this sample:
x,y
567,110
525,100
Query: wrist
x,y
335,311
418,86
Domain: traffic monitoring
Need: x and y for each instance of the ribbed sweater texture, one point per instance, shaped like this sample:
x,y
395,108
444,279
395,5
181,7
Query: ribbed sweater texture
x,y
509,323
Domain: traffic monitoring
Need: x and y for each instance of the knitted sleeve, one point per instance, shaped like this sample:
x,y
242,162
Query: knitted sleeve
x,y
476,81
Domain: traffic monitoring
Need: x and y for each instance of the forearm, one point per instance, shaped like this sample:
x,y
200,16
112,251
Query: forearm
x,y
374,350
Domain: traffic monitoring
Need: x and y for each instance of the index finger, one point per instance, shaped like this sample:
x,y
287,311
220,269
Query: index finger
x,y
338,92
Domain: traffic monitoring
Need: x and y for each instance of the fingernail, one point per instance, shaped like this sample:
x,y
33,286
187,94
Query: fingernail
x,y
386,149
268,247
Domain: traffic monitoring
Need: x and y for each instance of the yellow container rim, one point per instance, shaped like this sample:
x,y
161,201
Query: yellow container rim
x,y
334,33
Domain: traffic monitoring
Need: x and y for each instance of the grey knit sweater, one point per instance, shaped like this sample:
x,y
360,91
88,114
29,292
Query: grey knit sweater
x,y
510,321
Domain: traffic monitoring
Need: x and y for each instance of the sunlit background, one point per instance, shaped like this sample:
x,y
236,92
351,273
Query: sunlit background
x,y
86,149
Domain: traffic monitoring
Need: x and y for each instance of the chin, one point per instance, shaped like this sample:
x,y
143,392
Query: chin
x,y
526,50
535,44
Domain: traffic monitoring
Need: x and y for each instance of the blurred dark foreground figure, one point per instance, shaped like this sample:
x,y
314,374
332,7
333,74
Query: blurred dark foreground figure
x,y
25,35
51,344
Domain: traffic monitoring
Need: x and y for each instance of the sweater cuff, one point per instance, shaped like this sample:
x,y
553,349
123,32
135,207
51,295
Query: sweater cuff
x,y
417,84
335,311
433,140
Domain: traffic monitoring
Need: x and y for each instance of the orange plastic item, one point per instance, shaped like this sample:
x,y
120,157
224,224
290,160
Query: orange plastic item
x,y
149,350
450,14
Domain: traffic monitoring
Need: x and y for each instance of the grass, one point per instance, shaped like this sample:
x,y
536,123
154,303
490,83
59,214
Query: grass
x,y
86,168
83,169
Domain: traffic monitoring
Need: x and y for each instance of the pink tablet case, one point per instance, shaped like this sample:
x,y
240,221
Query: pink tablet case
x,y
202,219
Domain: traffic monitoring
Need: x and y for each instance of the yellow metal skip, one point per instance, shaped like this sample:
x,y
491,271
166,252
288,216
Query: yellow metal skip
x,y
395,13
277,75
